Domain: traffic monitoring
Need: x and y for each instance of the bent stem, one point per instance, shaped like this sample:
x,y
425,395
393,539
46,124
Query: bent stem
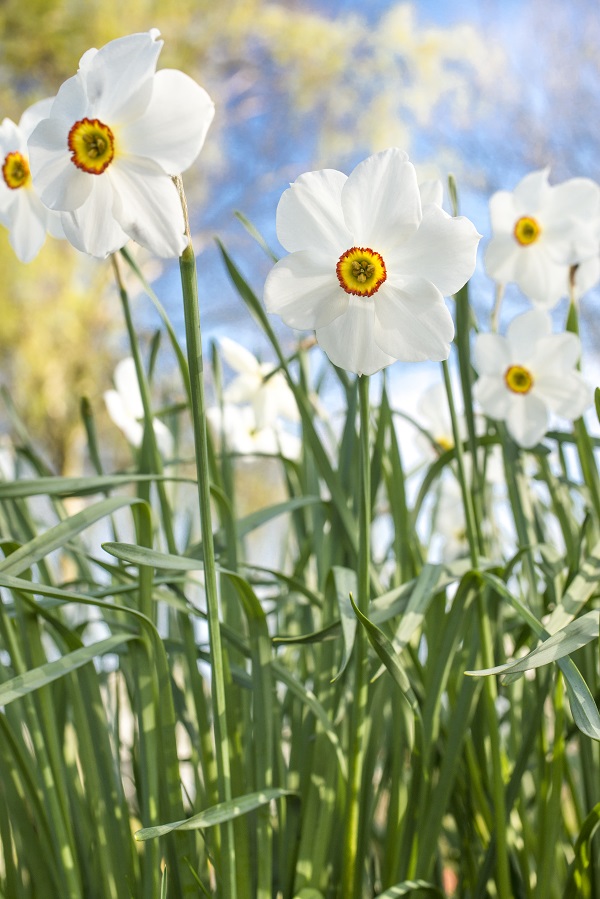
x,y
353,861
189,284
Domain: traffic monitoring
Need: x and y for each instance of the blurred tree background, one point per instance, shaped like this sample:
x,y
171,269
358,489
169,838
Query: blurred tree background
x,y
297,86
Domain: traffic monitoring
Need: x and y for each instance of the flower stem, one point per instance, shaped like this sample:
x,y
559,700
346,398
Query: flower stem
x,y
352,862
187,264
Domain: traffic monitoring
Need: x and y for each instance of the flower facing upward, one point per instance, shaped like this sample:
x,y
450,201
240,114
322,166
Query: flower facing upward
x,y
21,210
528,374
116,133
370,264
540,231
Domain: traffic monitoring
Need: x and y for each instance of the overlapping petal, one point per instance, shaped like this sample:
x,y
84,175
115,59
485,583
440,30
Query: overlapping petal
x,y
349,343
527,420
412,324
119,77
93,228
302,288
173,127
381,200
443,251
309,214
147,206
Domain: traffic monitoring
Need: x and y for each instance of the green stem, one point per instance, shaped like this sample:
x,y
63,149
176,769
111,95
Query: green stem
x,y
353,860
187,264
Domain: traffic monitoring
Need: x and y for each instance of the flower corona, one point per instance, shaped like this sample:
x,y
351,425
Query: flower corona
x,y
92,146
15,171
361,271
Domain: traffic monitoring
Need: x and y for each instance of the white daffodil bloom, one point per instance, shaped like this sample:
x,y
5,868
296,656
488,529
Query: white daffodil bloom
x,y
21,210
237,426
369,264
124,405
540,231
528,374
270,397
116,133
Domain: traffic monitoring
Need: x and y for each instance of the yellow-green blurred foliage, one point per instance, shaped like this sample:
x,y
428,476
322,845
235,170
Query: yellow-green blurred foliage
x,y
362,83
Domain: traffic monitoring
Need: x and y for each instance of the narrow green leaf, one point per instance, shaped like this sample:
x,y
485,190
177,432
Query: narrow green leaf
x,y
583,586
344,581
85,486
218,814
32,680
575,635
581,862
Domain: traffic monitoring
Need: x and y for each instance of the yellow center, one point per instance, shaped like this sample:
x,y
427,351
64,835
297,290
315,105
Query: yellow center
x,y
15,171
518,379
92,146
526,231
361,271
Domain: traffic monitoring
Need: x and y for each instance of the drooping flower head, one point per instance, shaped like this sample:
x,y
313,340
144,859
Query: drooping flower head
x,y
115,135
540,231
21,210
528,374
370,264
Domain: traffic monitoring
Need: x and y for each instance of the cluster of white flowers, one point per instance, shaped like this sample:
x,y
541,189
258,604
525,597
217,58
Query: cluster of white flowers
x,y
546,239
95,163
371,256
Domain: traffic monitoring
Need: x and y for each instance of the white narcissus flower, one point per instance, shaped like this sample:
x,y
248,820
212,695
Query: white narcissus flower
x,y
237,426
540,231
370,264
124,405
116,134
528,374
270,397
21,210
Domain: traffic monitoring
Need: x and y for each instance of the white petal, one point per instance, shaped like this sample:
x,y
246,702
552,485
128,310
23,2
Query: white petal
x,y
491,355
381,200
59,183
133,430
238,357
587,276
28,226
34,114
527,419
493,396
147,206
442,251
303,289
71,102
523,333
541,279
118,79
173,127
502,213
566,393
126,382
500,258
93,228
431,192
413,324
309,214
532,193
349,343
557,352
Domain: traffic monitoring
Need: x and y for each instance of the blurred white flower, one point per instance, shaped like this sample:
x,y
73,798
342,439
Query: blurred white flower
x,y
21,210
369,265
8,466
124,405
528,374
116,133
540,231
270,397
237,426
